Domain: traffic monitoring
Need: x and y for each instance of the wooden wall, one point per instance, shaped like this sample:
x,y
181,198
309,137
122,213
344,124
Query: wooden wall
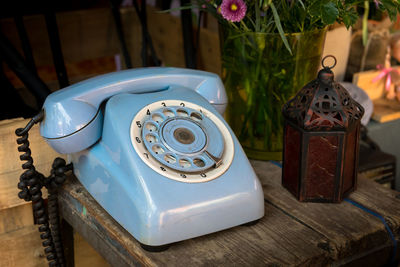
x,y
89,36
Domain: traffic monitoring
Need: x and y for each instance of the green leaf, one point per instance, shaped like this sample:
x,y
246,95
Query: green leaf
x,y
391,8
176,9
325,10
329,13
350,17
279,27
258,16
302,4
315,8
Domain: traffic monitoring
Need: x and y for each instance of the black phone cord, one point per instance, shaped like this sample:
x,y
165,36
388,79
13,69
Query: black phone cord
x,y
30,185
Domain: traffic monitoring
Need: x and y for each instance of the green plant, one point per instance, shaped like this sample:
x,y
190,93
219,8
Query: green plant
x,y
260,75
290,16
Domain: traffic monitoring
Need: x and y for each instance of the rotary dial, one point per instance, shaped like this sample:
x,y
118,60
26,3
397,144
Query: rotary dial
x,y
182,141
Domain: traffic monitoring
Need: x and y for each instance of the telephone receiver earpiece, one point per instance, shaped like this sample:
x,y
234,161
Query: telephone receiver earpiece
x,y
73,119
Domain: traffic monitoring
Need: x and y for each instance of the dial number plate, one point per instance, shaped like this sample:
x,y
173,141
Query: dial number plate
x,y
182,141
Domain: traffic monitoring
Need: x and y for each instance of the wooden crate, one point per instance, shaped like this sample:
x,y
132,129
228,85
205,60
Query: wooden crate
x,y
19,237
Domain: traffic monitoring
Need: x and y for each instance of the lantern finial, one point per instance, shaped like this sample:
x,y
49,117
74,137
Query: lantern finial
x,y
326,75
323,60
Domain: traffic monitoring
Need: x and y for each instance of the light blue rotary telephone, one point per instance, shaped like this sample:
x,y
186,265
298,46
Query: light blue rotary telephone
x,y
151,147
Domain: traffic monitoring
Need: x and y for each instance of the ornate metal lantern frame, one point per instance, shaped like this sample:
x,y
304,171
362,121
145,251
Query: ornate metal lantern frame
x,y
321,140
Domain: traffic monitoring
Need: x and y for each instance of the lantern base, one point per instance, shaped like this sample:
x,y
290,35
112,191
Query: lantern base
x,y
263,155
303,198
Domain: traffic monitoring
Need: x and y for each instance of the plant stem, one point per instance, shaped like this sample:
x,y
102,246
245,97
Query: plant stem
x,y
365,23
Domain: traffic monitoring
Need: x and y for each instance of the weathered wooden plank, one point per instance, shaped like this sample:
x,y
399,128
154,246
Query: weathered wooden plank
x,y
277,240
349,230
85,255
374,257
15,218
381,200
98,228
22,248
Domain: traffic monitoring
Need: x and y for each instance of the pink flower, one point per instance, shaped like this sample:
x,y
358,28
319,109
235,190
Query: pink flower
x,y
233,10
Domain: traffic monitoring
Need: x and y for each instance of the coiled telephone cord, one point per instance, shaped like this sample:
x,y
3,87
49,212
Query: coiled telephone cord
x,y
31,183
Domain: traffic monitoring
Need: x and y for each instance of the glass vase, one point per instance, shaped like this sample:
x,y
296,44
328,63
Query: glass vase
x,y
260,75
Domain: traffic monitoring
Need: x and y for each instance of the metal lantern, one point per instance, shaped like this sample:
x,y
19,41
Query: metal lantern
x,y
321,135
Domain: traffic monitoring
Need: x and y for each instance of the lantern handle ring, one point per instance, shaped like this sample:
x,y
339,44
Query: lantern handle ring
x,y
323,60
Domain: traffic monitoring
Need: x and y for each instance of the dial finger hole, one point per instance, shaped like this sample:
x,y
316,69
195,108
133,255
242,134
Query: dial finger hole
x,y
158,149
151,127
169,113
199,162
170,158
157,117
185,163
181,112
196,116
151,138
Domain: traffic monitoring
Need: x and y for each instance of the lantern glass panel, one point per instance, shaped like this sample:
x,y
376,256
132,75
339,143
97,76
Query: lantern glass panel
x,y
292,154
322,157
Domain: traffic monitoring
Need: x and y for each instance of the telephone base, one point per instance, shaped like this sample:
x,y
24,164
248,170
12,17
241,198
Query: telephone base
x,y
251,223
154,248
158,204
166,247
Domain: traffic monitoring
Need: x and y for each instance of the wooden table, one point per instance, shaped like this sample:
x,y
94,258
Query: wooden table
x,y
290,234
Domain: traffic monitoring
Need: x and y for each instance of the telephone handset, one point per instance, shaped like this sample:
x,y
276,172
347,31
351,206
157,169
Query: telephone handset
x,y
150,145
73,117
